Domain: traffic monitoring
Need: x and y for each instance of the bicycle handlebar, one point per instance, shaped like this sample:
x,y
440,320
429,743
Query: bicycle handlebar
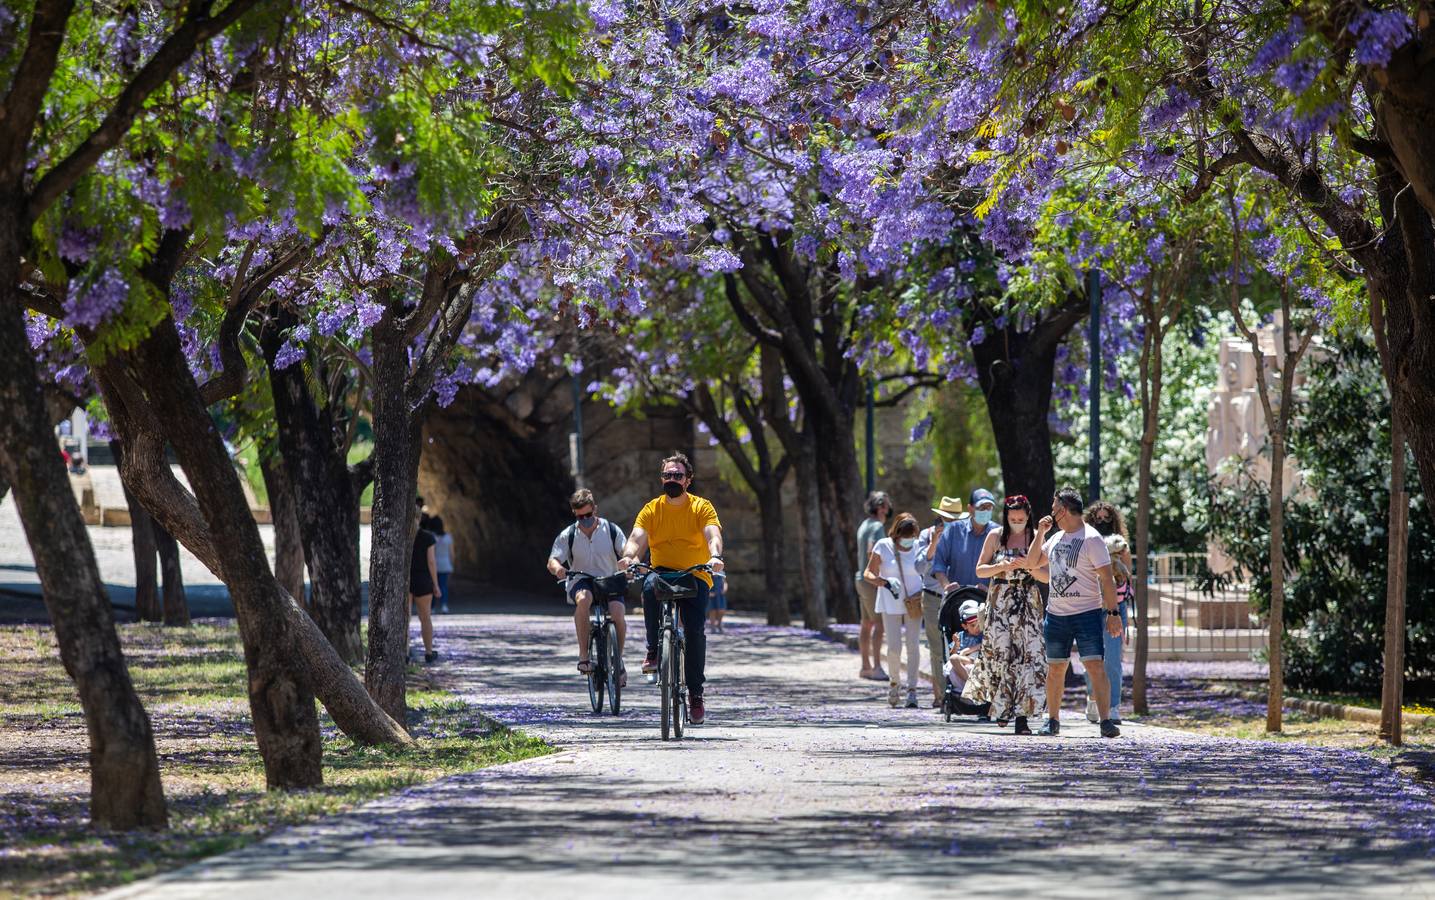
x,y
700,567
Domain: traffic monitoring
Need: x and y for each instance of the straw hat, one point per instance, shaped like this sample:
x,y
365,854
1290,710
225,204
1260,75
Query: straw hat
x,y
950,508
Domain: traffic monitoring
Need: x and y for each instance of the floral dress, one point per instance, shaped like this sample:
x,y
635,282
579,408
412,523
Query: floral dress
x,y
1010,673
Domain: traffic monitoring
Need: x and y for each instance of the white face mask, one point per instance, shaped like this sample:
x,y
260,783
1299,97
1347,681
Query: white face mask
x,y
1017,527
906,543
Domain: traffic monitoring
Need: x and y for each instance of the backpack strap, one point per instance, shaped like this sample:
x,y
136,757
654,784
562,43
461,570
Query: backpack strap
x,y
613,533
570,530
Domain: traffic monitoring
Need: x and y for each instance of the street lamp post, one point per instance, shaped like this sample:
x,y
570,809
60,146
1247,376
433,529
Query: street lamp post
x,y
871,442
1093,293
575,438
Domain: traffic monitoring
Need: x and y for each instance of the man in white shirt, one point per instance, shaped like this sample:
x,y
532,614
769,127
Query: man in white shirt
x,y
592,545
1075,563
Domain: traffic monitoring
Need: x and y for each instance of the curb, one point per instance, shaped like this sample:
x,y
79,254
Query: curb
x,y
1327,710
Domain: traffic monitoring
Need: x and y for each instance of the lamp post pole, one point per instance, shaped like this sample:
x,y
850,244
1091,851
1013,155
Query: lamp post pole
x,y
871,436
1093,293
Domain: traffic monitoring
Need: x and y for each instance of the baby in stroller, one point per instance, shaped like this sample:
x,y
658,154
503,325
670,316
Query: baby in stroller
x,y
959,620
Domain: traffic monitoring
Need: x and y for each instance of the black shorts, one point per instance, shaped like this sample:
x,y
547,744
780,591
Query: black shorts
x,y
421,586
609,589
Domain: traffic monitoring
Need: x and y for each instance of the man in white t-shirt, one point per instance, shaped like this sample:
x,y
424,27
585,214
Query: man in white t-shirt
x,y
1082,602
591,544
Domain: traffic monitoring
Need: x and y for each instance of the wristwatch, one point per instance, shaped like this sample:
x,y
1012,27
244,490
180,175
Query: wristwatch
x,y
1114,612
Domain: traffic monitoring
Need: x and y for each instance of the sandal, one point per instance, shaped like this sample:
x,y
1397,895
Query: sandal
x,y
585,666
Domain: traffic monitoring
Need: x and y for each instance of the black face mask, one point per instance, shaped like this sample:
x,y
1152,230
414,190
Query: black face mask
x,y
1104,527
673,489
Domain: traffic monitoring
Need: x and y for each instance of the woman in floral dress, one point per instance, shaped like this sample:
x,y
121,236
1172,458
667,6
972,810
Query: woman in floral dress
x,y
1011,672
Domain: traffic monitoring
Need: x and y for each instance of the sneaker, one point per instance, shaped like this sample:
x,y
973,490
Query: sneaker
x,y
650,663
1093,715
430,655
1115,717
696,713
1052,728
1021,726
1109,729
894,695
443,608
911,699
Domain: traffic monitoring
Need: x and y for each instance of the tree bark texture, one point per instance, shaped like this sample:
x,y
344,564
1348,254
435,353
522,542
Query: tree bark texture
x,y
769,504
1276,695
814,559
1015,371
288,544
286,654
125,789
1151,420
176,604
326,502
1392,690
142,539
396,462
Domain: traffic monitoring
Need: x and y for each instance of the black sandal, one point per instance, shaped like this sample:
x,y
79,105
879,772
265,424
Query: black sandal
x,y
585,666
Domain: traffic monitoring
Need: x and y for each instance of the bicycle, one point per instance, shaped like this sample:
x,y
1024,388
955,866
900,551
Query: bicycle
x,y
605,660
672,646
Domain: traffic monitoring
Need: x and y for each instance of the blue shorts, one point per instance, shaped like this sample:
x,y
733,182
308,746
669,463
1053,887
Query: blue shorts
x,y
1084,629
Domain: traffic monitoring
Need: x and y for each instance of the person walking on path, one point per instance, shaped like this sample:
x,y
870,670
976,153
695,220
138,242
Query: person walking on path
x,y
1011,673
423,583
682,530
947,512
869,637
1074,562
892,568
717,603
955,563
443,558
594,545
1106,519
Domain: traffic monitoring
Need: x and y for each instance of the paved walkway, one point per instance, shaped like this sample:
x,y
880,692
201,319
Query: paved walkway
x,y
804,784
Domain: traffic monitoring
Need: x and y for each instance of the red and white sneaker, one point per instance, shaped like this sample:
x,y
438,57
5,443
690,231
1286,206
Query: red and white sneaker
x,y
696,713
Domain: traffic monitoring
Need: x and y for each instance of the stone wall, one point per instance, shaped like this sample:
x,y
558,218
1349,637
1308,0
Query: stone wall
x,y
497,470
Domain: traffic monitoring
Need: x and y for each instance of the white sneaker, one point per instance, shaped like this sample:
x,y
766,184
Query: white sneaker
x,y
1092,713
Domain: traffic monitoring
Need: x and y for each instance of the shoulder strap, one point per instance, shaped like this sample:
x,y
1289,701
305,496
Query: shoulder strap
x,y
570,531
613,533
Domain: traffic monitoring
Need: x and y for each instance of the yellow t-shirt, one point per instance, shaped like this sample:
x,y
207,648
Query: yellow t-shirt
x,y
675,532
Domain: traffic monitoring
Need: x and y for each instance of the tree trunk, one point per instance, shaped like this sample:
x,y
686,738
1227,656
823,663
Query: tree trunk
x,y
125,789
142,539
779,611
813,558
1015,370
288,545
216,527
1392,693
1277,614
176,605
840,485
1151,412
396,461
326,502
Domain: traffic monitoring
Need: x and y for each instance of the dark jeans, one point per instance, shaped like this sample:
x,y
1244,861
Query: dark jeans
x,y
692,613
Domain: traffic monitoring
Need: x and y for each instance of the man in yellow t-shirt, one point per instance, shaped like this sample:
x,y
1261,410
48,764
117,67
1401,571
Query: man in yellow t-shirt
x,y
681,530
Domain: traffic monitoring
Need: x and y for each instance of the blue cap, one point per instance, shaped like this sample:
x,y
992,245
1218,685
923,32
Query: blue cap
x,y
982,495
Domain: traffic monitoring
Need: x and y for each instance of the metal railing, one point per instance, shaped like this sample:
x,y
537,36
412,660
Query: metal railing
x,y
1190,618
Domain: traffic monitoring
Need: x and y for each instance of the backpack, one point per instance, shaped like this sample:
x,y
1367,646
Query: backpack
x,y
572,532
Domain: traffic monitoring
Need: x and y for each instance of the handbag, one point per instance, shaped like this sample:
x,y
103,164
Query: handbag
x,y
914,602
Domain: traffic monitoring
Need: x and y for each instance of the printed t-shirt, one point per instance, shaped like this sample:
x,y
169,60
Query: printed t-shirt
x,y
1073,559
675,532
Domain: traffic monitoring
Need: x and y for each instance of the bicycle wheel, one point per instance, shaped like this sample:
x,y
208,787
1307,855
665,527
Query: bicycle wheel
x,y
614,666
665,681
679,703
595,671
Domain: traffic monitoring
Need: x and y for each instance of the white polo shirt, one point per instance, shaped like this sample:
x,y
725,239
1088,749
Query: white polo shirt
x,y
597,555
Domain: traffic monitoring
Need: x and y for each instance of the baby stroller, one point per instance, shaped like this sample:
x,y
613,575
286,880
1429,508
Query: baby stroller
x,y
950,622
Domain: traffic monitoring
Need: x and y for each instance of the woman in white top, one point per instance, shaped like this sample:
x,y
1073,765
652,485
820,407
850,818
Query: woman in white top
x,y
443,558
892,569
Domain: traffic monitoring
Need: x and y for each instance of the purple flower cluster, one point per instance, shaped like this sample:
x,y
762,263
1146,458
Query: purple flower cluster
x,y
1379,33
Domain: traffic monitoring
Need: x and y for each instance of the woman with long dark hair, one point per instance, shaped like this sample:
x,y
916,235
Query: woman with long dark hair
x,y
1011,672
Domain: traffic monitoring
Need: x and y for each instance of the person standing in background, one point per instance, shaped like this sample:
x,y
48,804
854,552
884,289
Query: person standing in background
x,y
869,638
443,558
947,512
955,563
717,603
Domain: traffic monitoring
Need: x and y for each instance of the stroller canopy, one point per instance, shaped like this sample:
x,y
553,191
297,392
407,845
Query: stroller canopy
x,y
949,619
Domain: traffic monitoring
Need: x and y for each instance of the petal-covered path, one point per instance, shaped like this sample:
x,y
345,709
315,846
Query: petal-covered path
x,y
805,784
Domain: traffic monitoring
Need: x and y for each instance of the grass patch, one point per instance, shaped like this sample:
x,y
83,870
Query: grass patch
x,y
193,684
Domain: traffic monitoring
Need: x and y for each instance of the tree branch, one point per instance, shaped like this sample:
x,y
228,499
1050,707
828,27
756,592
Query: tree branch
x,y
198,26
28,86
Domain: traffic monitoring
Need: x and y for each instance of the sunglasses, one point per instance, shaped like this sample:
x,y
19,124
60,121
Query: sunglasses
x,y
1017,500
674,476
